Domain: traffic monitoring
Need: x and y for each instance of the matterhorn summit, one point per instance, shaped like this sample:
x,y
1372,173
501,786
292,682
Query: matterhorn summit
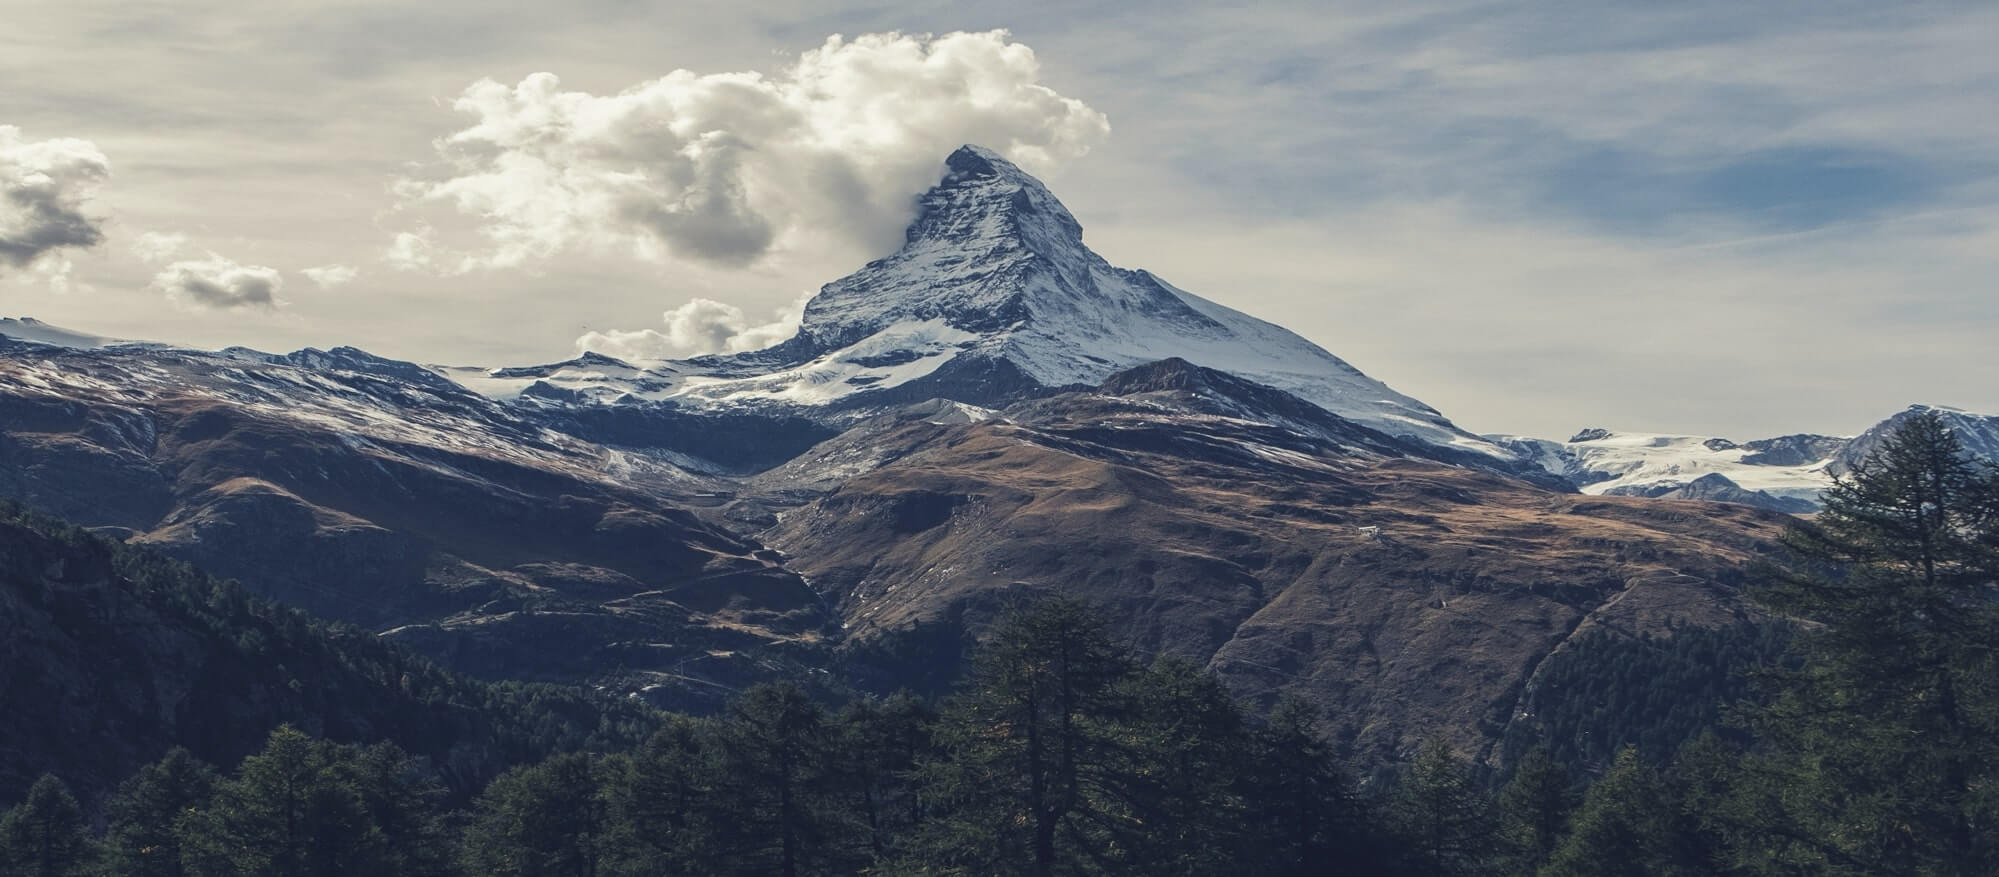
x,y
993,297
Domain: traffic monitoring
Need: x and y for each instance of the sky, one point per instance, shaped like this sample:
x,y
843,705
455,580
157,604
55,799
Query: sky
x,y
1734,219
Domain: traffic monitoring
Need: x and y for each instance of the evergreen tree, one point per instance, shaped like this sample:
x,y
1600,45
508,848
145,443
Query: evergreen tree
x,y
1444,814
1534,809
1021,744
882,742
1620,829
45,835
288,811
776,784
1302,809
545,820
1173,782
402,800
1882,752
143,840
661,802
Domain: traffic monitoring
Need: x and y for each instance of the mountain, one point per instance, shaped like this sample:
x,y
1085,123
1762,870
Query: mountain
x,y
992,410
993,297
374,492
1979,434
1396,591
1785,473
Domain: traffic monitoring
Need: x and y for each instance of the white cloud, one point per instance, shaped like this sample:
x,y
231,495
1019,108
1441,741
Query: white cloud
x,y
698,327
725,168
217,283
410,251
44,186
330,276
154,246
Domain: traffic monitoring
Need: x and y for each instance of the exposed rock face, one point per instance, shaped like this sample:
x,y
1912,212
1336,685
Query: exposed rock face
x,y
1978,433
1792,450
1716,487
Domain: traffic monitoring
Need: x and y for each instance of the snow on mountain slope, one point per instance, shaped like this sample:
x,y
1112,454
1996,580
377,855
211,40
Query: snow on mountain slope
x,y
1979,433
35,331
1792,467
380,406
992,289
1603,462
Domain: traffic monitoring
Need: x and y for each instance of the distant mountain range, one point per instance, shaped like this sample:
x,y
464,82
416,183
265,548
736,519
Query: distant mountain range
x,y
989,411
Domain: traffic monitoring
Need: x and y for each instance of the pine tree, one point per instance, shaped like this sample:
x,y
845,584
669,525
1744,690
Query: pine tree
x,y
544,820
661,803
1304,813
1883,750
402,800
1444,814
1534,809
1624,828
288,811
1012,787
882,742
143,840
45,835
776,783
1177,754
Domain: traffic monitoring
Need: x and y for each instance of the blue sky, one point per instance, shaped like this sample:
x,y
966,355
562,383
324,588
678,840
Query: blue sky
x,y
1724,218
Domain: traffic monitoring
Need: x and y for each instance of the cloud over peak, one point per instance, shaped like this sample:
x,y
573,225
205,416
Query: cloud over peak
x,y
700,326
722,169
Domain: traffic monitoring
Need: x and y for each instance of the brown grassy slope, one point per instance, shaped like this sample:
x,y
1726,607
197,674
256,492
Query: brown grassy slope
x,y
1203,541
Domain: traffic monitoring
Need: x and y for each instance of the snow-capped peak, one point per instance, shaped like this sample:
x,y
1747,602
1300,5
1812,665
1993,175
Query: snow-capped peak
x,y
994,291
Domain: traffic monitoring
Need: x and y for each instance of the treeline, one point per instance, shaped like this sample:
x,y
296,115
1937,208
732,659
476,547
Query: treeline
x,y
1607,690
118,653
1061,755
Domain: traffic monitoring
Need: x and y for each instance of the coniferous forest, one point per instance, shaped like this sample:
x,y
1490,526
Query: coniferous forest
x,y
1852,730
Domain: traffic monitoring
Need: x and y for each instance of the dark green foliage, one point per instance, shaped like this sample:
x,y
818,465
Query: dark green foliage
x,y
1622,828
311,808
1025,742
45,835
545,820
1301,806
776,787
249,666
1534,809
881,744
1605,691
1442,813
658,797
1881,753
144,815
